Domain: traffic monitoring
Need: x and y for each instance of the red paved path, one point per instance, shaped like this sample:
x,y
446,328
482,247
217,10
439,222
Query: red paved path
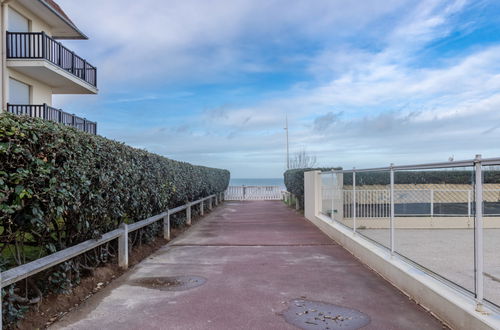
x,y
256,257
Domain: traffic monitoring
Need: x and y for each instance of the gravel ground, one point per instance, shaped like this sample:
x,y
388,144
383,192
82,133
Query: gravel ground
x,y
449,253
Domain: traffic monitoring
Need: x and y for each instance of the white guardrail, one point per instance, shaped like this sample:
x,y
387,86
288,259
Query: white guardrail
x,y
376,203
239,193
16,274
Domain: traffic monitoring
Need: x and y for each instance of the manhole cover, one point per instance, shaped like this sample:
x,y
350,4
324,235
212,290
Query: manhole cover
x,y
170,283
315,315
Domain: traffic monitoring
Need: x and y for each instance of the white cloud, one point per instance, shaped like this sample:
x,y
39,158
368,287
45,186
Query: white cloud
x,y
153,40
395,107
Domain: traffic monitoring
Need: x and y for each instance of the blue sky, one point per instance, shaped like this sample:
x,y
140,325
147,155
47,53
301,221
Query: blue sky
x,y
364,83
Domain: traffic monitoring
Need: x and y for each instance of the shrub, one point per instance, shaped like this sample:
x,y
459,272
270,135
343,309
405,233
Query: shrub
x,y
60,186
294,181
449,176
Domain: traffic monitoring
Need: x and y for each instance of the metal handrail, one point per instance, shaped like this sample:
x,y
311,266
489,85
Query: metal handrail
x,y
19,273
38,45
56,115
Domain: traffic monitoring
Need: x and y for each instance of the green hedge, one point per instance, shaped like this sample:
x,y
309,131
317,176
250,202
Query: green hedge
x,y
422,177
294,181
60,186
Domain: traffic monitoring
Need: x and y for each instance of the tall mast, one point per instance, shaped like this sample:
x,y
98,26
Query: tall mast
x,y
287,145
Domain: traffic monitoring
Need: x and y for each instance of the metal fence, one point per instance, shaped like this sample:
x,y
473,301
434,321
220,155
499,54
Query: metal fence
x,y
254,193
451,230
416,202
53,114
38,45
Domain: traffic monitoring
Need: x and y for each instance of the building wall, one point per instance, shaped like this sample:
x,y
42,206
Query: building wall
x,y
36,24
40,93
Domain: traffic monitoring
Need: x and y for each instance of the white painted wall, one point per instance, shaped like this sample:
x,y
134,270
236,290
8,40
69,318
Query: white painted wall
x,y
18,19
40,93
35,23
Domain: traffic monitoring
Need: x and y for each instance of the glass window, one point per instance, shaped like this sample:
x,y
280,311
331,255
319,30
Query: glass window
x,y
19,93
17,22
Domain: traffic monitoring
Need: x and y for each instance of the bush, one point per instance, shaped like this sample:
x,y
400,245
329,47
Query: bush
x,y
60,186
422,177
294,181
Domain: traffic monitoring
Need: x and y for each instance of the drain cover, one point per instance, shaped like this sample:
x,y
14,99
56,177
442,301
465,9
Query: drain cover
x,y
315,315
170,283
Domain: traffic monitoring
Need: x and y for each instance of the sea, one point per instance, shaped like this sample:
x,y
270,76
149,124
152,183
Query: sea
x,y
257,182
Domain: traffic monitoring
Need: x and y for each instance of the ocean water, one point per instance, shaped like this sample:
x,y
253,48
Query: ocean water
x,y
257,182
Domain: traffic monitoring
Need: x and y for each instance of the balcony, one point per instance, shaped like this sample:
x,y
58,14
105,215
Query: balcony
x,y
56,115
41,57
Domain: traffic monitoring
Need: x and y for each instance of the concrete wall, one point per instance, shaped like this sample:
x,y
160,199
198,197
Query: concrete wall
x,y
453,307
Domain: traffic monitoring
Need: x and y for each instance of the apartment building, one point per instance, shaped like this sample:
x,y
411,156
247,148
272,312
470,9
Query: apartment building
x,y
36,65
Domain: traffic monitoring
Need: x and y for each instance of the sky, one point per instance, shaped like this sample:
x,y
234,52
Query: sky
x,y
363,83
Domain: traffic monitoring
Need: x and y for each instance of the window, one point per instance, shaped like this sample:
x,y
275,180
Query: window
x,y
19,93
17,22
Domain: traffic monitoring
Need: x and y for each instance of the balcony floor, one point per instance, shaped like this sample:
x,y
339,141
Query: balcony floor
x,y
257,257
60,80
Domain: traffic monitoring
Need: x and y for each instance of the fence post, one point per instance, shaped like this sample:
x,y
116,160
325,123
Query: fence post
x,y
1,303
44,46
202,207
59,62
332,216
123,247
468,203
392,209
210,203
354,199
216,200
84,73
432,203
188,214
166,226
478,233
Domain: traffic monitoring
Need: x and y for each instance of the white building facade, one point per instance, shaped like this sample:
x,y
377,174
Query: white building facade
x,y
36,65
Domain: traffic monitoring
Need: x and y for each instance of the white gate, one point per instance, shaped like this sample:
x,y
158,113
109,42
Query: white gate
x,y
240,193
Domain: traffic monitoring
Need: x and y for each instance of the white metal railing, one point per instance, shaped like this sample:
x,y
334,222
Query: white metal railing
x,y
254,193
19,273
360,202
375,203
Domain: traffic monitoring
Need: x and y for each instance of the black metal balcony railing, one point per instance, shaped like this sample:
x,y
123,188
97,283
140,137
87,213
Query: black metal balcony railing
x,y
38,45
57,115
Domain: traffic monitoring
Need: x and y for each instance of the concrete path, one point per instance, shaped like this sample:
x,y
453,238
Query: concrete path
x,y
258,258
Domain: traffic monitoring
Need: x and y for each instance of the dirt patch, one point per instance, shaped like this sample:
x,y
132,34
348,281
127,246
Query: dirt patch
x,y
177,283
55,306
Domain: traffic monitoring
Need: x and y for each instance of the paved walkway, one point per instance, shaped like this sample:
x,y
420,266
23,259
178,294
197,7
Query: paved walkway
x,y
257,259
